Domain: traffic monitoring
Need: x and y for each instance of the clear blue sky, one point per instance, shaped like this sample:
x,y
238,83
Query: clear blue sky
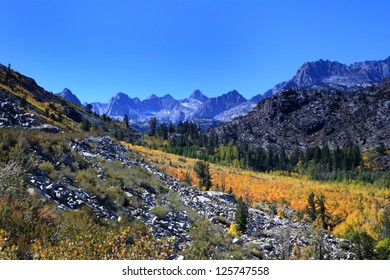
x,y
98,48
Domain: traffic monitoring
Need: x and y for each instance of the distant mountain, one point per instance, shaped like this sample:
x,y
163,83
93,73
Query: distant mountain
x,y
99,108
198,95
333,73
68,95
120,105
156,104
214,106
198,108
235,112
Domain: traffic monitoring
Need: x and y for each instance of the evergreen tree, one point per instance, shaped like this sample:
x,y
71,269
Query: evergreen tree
x,y
311,207
202,171
242,214
317,154
321,211
89,107
126,121
85,125
381,149
171,128
152,126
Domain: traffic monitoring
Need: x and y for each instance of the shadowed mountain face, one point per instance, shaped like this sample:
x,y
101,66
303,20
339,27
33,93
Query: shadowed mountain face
x,y
215,106
297,119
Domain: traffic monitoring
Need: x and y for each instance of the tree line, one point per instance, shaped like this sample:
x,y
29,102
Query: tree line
x,y
319,163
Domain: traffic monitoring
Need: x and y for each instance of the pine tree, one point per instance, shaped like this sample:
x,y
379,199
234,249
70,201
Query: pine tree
x,y
322,211
89,107
126,121
85,125
311,207
202,171
242,214
152,126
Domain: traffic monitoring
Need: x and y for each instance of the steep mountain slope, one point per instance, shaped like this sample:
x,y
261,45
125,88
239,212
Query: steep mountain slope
x,y
237,111
333,73
198,95
120,105
24,93
68,95
217,105
296,118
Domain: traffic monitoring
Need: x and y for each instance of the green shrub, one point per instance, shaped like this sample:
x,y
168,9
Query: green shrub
x,y
48,167
161,212
11,179
86,178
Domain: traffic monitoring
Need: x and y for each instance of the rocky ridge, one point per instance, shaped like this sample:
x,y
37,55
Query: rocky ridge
x,y
332,74
299,119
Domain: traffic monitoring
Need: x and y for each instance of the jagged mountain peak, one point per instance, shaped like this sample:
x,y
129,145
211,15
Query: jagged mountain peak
x,y
234,96
121,95
319,71
216,105
168,96
198,95
326,72
68,95
153,96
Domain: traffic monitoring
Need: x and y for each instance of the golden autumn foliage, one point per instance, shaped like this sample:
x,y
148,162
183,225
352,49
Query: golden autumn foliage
x,y
351,206
232,230
32,230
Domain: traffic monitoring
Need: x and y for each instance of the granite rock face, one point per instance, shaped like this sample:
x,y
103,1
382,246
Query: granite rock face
x,y
299,119
12,116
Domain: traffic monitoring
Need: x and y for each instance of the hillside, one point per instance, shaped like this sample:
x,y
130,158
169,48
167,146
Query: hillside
x,y
294,119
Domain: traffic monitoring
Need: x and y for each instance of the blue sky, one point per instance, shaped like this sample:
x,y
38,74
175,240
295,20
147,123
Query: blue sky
x,y
98,48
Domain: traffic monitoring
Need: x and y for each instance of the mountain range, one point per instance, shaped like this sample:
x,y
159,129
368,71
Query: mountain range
x,y
321,75
328,75
197,107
